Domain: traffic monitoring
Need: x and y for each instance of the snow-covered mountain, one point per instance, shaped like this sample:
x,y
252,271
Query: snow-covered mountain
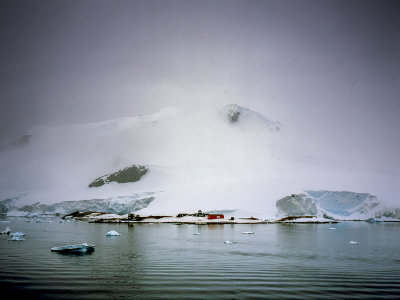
x,y
232,158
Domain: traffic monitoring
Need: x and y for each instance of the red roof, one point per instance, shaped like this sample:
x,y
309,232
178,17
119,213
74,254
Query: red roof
x,y
215,216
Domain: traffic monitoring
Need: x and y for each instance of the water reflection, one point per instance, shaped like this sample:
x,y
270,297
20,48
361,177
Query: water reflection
x,y
165,261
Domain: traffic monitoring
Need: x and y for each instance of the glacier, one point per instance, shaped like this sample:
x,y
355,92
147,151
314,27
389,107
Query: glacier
x,y
121,205
229,158
342,205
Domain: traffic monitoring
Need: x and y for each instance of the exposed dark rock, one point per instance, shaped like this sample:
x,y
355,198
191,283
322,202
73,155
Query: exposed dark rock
x,y
130,174
291,218
242,115
233,114
78,214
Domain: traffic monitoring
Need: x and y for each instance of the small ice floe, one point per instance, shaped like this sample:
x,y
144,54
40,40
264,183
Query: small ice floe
x,y
74,249
16,238
353,243
248,232
332,228
230,242
112,233
7,231
197,233
17,234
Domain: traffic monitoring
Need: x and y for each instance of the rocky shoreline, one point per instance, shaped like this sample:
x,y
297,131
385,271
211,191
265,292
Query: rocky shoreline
x,y
201,220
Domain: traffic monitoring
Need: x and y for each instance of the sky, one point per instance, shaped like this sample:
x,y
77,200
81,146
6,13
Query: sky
x,y
327,70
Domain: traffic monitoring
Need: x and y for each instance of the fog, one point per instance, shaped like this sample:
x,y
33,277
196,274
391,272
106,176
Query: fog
x,y
328,71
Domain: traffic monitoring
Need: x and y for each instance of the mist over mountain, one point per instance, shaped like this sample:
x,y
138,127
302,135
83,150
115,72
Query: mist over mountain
x,y
231,158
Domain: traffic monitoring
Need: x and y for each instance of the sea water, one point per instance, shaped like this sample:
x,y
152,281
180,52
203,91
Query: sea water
x,y
169,261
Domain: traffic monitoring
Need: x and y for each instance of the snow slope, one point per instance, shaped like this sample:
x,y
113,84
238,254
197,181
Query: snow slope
x,y
231,158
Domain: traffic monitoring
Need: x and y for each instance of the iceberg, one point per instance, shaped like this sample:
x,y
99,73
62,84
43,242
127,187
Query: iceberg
x,y
353,243
74,249
112,233
17,234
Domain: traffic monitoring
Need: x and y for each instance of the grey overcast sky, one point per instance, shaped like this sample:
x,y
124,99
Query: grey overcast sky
x,y
330,68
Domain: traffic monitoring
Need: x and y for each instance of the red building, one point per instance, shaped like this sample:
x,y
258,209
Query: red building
x,y
215,216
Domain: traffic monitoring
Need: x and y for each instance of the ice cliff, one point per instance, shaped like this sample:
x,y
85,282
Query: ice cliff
x,y
114,205
341,205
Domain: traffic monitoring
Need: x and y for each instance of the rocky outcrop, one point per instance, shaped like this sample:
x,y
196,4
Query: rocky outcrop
x,y
130,174
238,114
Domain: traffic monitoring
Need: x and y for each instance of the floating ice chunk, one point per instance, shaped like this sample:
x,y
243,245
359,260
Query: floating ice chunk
x,y
7,231
75,249
248,232
16,238
197,233
332,228
112,233
353,243
230,242
17,234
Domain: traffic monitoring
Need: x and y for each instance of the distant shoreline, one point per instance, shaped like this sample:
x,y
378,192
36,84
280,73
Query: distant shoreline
x,y
205,221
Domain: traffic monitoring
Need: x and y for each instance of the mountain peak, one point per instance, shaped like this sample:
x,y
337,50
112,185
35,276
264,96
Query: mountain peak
x,y
235,113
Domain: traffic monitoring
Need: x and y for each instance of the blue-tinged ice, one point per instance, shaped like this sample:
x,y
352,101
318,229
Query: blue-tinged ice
x,y
16,238
17,234
112,233
77,249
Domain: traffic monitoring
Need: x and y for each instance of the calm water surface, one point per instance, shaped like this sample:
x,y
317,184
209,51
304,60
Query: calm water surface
x,y
167,261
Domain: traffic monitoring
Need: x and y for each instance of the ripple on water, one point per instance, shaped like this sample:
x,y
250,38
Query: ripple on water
x,y
168,262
